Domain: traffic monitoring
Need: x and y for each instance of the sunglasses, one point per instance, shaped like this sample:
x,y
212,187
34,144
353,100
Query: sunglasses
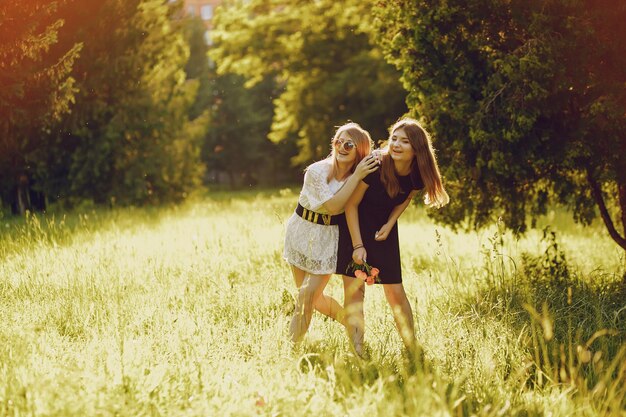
x,y
347,145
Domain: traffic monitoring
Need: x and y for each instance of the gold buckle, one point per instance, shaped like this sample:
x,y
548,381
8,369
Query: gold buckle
x,y
314,217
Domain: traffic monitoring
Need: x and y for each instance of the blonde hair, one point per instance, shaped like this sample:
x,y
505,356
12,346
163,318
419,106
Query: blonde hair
x,y
424,164
361,139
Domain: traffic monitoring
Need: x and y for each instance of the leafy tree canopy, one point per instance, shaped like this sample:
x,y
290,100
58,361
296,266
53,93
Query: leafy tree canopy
x,y
525,100
37,85
124,133
325,62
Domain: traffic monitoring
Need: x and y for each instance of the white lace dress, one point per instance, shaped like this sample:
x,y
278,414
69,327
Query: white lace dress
x,y
310,246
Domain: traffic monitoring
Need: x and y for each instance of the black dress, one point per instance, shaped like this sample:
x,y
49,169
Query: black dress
x,y
374,211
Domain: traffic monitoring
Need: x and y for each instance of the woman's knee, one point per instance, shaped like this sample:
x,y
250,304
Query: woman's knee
x,y
313,287
394,293
305,297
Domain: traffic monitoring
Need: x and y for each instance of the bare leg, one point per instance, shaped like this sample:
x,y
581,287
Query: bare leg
x,y
354,293
325,304
402,314
311,289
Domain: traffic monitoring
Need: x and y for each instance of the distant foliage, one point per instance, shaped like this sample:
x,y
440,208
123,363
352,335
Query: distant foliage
x,y
37,88
116,128
235,146
325,62
129,140
236,143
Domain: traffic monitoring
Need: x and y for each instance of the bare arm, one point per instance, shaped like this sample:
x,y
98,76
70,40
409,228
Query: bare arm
x,y
352,219
384,230
337,203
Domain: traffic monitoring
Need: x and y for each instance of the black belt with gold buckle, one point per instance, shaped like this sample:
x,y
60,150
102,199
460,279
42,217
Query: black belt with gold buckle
x,y
313,217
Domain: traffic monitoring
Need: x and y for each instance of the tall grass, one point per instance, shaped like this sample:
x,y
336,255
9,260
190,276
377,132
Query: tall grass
x,y
184,310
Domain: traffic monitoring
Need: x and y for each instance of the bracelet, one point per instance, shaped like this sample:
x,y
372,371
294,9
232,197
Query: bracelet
x,y
359,246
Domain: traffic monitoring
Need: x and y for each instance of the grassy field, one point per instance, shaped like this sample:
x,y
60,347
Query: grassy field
x,y
184,310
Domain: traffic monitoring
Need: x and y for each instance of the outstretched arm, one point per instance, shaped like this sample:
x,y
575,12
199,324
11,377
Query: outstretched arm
x,y
384,230
352,218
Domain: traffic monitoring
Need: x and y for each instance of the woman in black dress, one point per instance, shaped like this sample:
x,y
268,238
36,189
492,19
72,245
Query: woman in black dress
x,y
408,165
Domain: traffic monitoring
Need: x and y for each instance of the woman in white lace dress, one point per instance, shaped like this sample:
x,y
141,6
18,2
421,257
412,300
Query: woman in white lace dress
x,y
312,232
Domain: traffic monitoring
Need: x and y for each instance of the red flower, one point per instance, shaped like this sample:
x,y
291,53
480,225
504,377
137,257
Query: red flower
x,y
360,274
365,272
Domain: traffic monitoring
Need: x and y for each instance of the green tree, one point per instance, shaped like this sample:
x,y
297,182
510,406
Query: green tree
x,y
324,61
129,138
198,66
235,141
525,99
37,89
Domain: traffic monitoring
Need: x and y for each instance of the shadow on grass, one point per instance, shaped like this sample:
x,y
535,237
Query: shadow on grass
x,y
352,370
571,328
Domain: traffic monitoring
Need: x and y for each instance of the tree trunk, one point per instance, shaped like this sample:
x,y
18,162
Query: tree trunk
x,y
596,192
231,177
622,205
23,197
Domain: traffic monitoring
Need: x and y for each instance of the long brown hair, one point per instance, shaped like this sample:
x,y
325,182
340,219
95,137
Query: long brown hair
x,y
424,165
361,139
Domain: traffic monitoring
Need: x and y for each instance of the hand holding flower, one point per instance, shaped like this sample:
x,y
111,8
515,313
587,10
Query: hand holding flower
x,y
364,272
359,255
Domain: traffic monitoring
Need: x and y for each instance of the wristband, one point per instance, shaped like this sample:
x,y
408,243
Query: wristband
x,y
359,246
